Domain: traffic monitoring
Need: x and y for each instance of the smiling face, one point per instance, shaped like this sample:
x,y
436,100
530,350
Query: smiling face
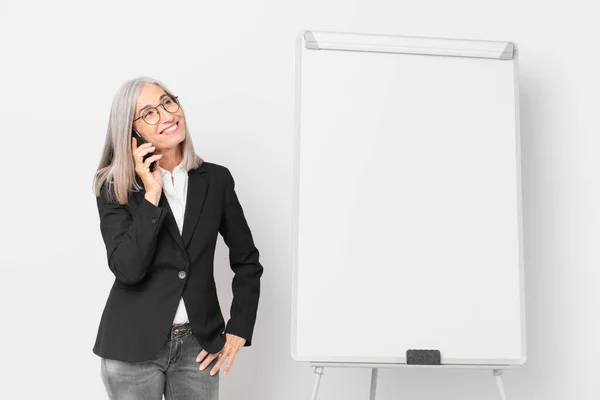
x,y
160,135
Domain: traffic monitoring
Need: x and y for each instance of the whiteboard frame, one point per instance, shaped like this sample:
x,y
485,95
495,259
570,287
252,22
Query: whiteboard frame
x,y
319,40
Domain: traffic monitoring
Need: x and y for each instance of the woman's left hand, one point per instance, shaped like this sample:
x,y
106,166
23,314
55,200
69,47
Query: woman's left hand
x,y
233,344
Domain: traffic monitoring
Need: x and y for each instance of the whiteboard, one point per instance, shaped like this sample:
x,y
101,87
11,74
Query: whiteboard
x,y
407,228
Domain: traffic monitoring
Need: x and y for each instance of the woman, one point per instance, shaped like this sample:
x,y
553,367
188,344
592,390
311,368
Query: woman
x,y
162,330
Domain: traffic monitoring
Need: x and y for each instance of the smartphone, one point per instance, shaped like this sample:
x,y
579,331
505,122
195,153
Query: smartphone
x,y
141,140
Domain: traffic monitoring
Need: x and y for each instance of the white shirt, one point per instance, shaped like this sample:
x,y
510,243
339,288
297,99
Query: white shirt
x,y
175,188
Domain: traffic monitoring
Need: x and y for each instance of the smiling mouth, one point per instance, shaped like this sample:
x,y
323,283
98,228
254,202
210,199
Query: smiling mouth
x,y
174,127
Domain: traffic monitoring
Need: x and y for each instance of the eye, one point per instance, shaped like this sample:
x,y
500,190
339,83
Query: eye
x,y
149,113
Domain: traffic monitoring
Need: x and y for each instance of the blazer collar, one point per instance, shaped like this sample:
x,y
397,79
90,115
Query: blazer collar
x,y
196,194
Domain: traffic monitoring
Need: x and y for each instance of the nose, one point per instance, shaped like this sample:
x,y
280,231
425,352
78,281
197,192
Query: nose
x,y
162,112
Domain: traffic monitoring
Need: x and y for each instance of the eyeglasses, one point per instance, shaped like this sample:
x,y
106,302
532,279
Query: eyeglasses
x,y
151,115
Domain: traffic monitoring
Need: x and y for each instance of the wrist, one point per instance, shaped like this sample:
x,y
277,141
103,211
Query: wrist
x,y
152,197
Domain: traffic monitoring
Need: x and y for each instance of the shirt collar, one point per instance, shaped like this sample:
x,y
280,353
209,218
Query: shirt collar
x,y
177,169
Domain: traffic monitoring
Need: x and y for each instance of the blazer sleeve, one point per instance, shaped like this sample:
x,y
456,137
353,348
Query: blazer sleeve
x,y
243,258
130,240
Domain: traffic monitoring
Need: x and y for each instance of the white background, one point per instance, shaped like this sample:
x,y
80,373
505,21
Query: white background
x,y
232,64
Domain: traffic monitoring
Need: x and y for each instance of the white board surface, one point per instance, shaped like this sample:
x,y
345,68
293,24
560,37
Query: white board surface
x,y
407,230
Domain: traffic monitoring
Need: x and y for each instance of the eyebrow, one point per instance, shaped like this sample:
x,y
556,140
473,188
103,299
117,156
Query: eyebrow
x,y
150,105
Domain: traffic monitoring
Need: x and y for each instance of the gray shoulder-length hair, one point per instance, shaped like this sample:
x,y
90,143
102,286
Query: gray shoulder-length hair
x,y
117,166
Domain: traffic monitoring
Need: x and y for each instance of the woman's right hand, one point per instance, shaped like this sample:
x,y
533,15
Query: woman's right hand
x,y
152,180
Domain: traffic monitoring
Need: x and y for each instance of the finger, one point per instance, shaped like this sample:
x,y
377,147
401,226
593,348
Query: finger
x,y
207,361
218,364
230,361
202,354
151,158
141,146
139,157
143,150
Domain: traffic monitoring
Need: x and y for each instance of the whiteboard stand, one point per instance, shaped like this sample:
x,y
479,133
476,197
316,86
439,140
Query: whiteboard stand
x,y
498,375
496,370
373,384
429,121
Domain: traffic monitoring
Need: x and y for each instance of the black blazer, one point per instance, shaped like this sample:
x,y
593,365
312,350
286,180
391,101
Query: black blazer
x,y
154,266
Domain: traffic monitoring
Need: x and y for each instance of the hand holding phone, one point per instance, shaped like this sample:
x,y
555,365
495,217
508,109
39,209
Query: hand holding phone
x,y
144,157
140,140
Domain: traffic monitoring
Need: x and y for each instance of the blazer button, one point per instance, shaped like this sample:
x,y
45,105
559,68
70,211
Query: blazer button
x,y
154,220
181,274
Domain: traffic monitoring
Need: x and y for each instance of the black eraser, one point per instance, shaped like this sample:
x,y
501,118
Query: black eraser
x,y
423,357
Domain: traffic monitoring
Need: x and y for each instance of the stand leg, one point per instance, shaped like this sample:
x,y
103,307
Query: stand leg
x,y
498,375
373,383
318,372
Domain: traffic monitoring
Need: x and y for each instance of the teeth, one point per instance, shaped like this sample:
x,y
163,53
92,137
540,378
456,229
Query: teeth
x,y
171,129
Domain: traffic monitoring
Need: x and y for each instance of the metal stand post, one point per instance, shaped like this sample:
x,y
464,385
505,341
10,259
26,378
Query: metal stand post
x,y
373,383
498,375
318,373
374,371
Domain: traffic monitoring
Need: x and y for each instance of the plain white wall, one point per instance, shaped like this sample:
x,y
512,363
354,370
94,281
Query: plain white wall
x,y
232,64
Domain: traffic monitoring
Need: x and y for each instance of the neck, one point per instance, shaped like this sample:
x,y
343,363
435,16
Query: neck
x,y
170,159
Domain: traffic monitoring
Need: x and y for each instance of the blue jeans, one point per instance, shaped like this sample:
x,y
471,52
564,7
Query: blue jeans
x,y
174,372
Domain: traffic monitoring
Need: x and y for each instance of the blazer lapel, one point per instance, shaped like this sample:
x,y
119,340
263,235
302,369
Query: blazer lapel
x,y
170,223
196,194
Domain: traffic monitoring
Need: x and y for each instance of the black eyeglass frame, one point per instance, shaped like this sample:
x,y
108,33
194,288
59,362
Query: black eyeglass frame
x,y
174,98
